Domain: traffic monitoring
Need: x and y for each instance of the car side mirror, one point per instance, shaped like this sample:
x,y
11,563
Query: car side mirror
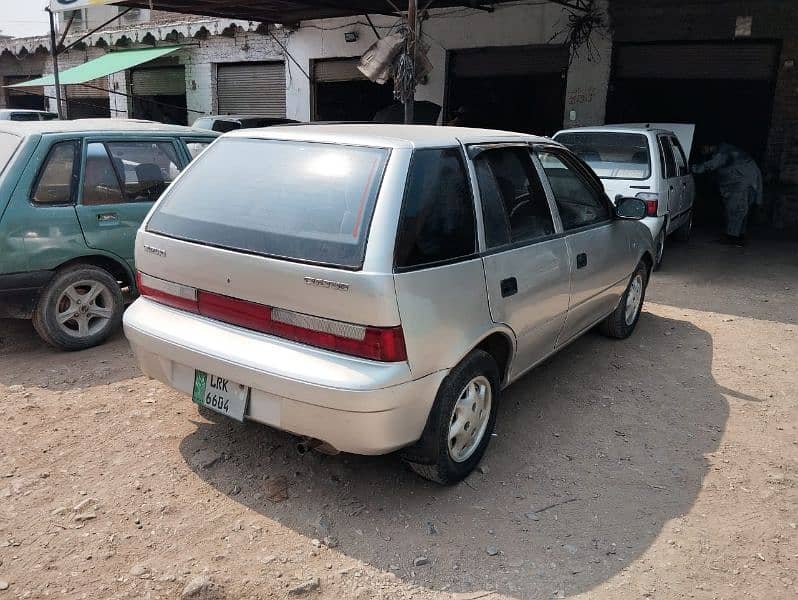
x,y
630,208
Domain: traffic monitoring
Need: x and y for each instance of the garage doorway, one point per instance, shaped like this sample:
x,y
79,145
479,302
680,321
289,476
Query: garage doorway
x,y
516,88
342,93
89,100
726,89
159,94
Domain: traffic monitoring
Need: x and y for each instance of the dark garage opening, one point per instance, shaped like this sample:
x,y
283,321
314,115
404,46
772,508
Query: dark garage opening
x,y
159,94
342,93
725,89
517,88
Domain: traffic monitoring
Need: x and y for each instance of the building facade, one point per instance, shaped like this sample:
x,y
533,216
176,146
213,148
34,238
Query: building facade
x,y
729,67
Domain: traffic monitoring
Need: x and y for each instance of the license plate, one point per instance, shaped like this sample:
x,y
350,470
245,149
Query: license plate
x,y
220,395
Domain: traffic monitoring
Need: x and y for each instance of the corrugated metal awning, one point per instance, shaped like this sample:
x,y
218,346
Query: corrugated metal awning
x,y
288,11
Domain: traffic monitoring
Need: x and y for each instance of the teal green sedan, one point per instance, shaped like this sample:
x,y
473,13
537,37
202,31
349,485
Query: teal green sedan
x,y
72,196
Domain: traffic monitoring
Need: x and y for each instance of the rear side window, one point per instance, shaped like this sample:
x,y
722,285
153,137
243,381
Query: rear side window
x,y
612,155
669,162
24,116
196,147
54,184
304,201
437,222
681,161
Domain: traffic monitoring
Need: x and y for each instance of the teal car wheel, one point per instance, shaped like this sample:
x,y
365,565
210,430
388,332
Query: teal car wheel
x,y
80,307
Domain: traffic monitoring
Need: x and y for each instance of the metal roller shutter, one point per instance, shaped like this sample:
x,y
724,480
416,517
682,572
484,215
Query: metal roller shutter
x,y
83,91
337,69
749,61
499,61
161,81
251,88
28,91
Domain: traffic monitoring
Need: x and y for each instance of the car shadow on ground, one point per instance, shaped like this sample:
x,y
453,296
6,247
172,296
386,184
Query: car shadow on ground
x,y
595,452
25,359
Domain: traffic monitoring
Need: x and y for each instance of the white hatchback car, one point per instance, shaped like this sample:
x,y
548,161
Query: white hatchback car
x,y
646,160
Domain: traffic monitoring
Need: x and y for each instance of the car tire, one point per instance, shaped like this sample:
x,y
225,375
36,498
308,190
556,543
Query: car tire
x,y
659,246
683,233
623,320
79,308
467,400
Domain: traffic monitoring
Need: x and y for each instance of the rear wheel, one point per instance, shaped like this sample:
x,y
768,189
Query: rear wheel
x,y
683,233
461,422
623,320
80,307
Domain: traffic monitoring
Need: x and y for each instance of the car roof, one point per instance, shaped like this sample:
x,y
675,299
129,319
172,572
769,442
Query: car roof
x,y
386,136
632,128
93,126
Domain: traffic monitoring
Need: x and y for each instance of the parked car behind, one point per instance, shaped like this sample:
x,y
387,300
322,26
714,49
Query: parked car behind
x,y
72,195
225,123
24,114
647,160
374,287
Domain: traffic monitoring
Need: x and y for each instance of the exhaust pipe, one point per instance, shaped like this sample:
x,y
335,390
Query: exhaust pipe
x,y
307,444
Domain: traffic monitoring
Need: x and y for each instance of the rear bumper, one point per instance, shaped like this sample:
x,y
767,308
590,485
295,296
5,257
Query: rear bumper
x,y
354,405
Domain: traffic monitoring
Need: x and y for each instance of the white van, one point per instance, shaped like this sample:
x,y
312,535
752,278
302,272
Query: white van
x,y
646,160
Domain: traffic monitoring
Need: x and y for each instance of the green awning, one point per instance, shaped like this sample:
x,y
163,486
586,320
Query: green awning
x,y
113,62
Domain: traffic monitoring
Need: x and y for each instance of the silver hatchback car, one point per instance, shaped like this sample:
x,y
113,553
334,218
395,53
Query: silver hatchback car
x,y
373,287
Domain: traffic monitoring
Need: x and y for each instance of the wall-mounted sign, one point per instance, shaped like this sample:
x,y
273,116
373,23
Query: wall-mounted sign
x,y
62,5
742,27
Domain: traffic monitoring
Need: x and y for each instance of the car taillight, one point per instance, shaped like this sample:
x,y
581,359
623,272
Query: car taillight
x,y
385,344
652,202
167,292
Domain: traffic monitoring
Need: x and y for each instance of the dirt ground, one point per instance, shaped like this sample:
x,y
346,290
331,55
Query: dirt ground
x,y
663,466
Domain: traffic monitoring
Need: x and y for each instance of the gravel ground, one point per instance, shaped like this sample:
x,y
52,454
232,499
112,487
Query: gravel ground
x,y
663,466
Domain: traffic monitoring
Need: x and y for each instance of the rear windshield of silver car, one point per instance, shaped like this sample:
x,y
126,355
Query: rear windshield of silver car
x,y
611,155
304,201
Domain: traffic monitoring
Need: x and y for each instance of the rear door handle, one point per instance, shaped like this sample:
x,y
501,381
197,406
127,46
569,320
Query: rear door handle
x,y
108,217
581,260
509,287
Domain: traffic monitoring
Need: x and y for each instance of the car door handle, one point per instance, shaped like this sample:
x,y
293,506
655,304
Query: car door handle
x,y
108,217
581,260
509,287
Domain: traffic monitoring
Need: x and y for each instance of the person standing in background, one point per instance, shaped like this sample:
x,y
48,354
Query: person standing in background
x,y
739,182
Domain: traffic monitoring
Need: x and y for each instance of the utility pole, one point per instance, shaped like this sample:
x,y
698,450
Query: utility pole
x,y
412,25
54,53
